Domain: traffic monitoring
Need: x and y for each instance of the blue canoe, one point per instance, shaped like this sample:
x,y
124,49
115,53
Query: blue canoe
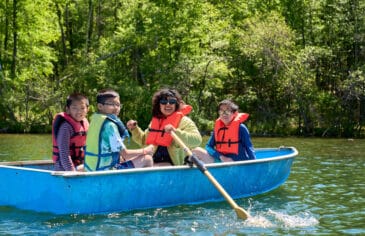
x,y
33,185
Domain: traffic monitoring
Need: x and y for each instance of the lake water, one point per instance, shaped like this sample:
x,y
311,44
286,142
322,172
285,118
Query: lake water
x,y
324,195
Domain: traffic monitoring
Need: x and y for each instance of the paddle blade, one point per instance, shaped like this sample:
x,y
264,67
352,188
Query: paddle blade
x,y
241,213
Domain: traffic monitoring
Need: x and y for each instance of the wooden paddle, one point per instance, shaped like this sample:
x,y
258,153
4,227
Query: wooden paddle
x,y
241,213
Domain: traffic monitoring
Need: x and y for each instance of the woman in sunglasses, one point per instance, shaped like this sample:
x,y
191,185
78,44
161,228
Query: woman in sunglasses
x,y
230,140
168,114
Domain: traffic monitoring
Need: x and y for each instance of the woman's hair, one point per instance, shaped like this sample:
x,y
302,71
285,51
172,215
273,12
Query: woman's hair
x,y
76,97
105,94
161,95
232,106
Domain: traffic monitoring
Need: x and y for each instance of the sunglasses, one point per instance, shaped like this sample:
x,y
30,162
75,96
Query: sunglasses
x,y
169,101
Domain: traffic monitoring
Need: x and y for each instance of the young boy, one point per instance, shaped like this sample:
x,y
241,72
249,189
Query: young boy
x,y
231,140
69,134
105,149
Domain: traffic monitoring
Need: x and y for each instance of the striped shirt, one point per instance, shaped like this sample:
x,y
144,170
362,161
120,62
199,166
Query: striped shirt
x,y
64,162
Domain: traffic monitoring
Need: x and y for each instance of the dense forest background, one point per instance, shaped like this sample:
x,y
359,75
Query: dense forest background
x,y
298,67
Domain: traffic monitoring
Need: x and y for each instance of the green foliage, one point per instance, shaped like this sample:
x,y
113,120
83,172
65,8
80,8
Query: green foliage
x,y
296,67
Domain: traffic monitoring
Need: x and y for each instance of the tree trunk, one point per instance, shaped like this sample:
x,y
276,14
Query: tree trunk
x,y
89,30
15,39
64,61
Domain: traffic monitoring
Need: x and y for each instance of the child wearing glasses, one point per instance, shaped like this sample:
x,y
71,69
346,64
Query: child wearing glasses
x,y
105,149
168,114
230,140
69,134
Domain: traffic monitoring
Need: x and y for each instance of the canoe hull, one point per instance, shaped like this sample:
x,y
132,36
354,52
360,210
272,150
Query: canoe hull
x,y
41,190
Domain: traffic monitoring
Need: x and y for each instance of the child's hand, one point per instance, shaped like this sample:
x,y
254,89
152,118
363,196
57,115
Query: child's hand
x,y
149,150
80,168
225,159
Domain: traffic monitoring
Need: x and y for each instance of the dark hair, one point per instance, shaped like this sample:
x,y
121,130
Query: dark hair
x,y
76,97
232,106
164,94
105,94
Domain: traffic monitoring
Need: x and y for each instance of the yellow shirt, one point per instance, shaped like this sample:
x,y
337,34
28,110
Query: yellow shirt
x,y
186,131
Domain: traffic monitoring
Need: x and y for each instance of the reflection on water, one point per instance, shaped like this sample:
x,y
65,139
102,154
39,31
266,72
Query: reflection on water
x,y
14,147
324,195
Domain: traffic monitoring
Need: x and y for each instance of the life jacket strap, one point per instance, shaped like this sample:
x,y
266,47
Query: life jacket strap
x,y
157,130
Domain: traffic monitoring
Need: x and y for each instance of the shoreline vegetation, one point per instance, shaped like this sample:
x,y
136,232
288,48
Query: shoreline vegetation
x,y
206,133
298,68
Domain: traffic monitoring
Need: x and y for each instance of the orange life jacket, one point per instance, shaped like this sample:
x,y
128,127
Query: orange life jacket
x,y
157,135
78,138
227,137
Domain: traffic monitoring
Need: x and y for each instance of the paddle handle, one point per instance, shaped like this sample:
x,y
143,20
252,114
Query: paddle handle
x,y
181,143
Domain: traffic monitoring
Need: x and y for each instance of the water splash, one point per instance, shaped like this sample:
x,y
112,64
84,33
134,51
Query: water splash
x,y
290,221
274,219
258,221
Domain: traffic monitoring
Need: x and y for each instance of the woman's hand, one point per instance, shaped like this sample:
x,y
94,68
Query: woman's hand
x,y
131,124
169,127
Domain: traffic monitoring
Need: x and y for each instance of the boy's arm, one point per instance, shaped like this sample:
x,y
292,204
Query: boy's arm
x,y
210,147
247,142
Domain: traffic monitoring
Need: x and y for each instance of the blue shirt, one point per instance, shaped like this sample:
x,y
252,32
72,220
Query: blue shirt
x,y
245,148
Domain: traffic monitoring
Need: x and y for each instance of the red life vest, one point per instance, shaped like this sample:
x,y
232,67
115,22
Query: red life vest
x,y
157,135
78,138
227,137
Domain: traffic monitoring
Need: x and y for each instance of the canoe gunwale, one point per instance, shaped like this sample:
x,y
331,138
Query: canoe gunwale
x,y
21,165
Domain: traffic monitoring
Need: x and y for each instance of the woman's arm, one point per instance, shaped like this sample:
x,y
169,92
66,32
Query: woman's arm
x,y
189,133
139,136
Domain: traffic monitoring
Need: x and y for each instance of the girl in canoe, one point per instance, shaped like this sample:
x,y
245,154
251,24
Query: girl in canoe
x,y
230,140
168,114
105,149
69,134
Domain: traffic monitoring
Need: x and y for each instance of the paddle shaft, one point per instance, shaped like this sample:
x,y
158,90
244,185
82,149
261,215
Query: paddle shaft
x,y
241,213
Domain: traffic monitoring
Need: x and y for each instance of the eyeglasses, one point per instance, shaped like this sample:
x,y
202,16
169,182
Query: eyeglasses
x,y
225,112
112,104
169,101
